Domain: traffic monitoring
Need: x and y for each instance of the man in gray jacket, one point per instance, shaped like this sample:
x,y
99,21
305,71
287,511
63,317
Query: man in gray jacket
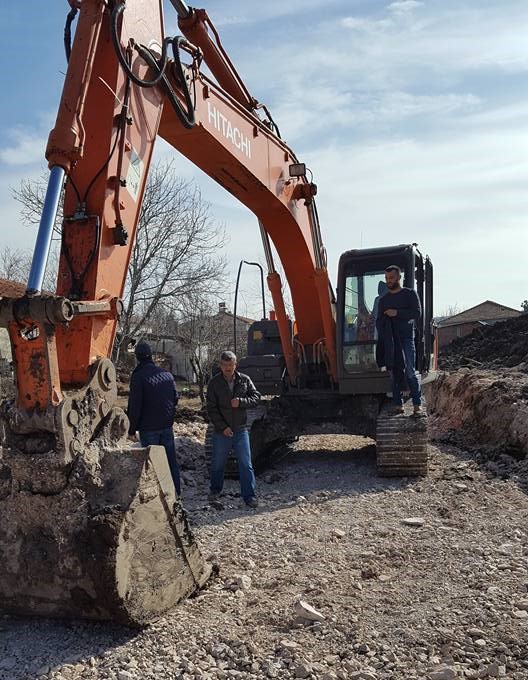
x,y
229,395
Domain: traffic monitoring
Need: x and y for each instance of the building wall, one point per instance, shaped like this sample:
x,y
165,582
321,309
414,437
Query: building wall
x,y
446,334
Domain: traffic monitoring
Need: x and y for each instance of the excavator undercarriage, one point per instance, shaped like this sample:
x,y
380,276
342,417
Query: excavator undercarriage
x,y
401,440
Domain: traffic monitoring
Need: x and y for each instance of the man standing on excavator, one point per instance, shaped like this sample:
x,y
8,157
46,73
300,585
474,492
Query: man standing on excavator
x,y
398,310
229,395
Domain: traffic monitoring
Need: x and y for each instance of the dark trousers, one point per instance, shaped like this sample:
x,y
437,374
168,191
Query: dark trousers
x,y
406,372
164,438
222,445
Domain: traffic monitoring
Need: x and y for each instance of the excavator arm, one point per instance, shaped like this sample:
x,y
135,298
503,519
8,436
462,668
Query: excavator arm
x,y
116,100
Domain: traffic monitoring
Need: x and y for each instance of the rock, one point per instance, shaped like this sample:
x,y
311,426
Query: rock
x,y
338,533
188,479
414,521
302,670
331,659
306,611
124,675
520,614
460,487
217,505
522,605
363,648
493,670
243,582
480,642
445,673
506,549
288,644
329,676
219,650
475,632
362,675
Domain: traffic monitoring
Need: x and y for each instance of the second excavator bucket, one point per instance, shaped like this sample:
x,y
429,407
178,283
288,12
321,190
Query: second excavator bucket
x,y
105,539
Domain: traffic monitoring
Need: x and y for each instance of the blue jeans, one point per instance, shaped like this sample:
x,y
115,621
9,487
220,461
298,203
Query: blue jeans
x,y
408,371
222,445
164,438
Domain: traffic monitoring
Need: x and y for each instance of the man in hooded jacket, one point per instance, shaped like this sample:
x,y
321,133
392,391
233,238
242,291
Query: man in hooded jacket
x,y
151,406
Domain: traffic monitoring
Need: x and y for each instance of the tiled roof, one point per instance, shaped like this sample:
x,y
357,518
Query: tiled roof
x,y
485,311
11,289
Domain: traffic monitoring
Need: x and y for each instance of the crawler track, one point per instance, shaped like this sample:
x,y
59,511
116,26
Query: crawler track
x,y
401,442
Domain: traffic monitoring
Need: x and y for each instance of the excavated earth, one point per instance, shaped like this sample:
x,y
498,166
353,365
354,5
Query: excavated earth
x,y
416,578
503,345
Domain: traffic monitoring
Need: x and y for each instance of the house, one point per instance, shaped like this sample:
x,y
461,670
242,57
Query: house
x,y
202,338
485,314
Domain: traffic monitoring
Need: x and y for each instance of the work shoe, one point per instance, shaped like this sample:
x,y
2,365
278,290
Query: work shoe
x,y
417,411
252,503
397,410
212,497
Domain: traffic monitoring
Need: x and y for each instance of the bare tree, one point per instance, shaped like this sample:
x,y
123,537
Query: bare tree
x,y
451,310
30,194
15,265
205,331
524,306
177,252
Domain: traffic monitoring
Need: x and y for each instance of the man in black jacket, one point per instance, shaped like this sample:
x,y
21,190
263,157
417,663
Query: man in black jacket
x,y
151,405
229,395
398,311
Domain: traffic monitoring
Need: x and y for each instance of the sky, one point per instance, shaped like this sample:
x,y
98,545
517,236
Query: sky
x,y
411,114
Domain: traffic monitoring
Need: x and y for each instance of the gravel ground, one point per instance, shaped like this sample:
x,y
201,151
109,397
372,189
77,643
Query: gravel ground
x,y
415,579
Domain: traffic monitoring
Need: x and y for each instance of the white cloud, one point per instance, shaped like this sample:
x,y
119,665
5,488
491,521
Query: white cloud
x,y
404,5
27,148
461,198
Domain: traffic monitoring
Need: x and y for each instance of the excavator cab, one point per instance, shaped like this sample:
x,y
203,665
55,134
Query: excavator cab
x,y
361,284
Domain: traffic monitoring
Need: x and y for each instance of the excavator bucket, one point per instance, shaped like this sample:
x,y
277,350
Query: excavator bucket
x,y
90,527
104,539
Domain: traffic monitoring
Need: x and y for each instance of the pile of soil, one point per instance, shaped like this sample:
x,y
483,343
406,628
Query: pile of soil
x,y
503,345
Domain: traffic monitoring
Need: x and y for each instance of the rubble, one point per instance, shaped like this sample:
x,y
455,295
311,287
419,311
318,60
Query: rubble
x,y
502,345
306,611
413,521
432,594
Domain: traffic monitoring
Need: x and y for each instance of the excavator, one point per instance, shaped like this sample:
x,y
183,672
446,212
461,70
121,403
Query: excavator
x,y
90,527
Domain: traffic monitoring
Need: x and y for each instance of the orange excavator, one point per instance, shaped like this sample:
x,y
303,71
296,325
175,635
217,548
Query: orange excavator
x,y
88,526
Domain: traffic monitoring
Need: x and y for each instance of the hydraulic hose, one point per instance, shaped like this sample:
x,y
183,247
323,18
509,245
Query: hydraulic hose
x,y
161,65
186,117
67,31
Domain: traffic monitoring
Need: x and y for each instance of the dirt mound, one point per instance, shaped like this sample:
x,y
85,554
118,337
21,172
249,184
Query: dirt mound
x,y
504,344
482,408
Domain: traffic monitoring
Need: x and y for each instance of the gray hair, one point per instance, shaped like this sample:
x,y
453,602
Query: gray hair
x,y
228,356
